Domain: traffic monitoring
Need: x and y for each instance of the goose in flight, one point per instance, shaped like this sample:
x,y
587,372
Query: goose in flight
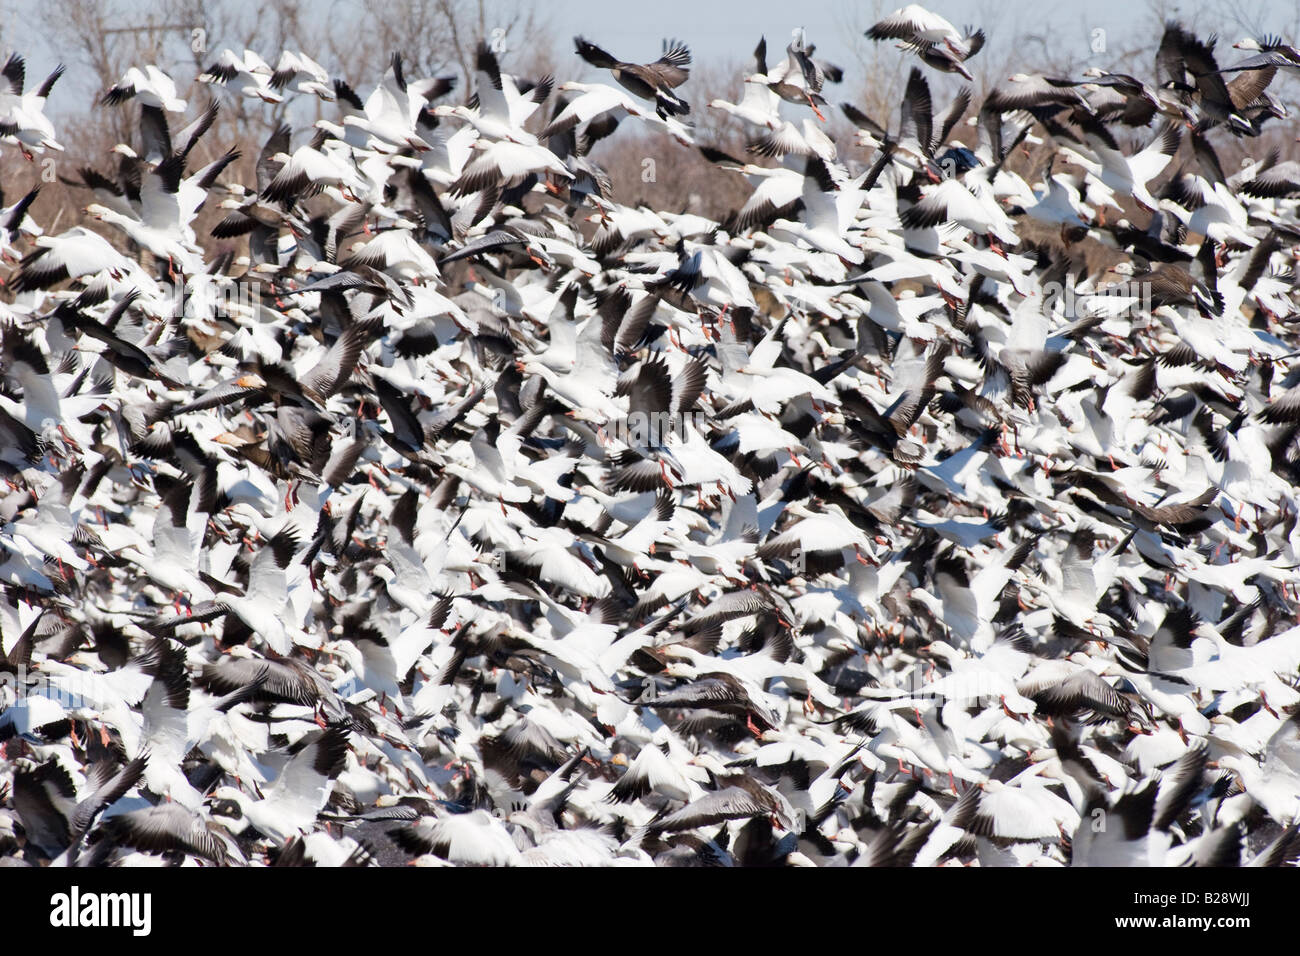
x,y
917,26
22,114
655,81
150,87
248,73
450,501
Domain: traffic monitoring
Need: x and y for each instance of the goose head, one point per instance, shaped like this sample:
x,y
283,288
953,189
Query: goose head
x,y
678,667
227,806
942,650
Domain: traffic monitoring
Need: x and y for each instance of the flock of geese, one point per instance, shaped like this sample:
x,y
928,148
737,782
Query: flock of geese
x,y
440,508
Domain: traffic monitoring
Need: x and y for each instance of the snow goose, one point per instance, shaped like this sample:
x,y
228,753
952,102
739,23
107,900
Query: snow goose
x,y
1020,811
1073,687
22,115
759,104
1111,174
651,771
261,608
106,783
43,801
73,254
815,532
913,146
249,73
300,69
1281,852
15,223
1229,666
161,225
828,210
1146,812
777,189
109,698
506,163
473,839
217,454
991,674
1273,179
1023,91
150,86
312,166
1268,50
1204,203
915,25
286,680
798,78
737,797
947,60
554,555
291,804
173,555
969,203
1060,204
165,829
705,273
722,692
502,108
391,113
584,647
173,723
597,100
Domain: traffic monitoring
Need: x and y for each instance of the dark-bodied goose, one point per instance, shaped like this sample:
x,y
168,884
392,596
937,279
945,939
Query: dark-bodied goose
x,y
655,81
